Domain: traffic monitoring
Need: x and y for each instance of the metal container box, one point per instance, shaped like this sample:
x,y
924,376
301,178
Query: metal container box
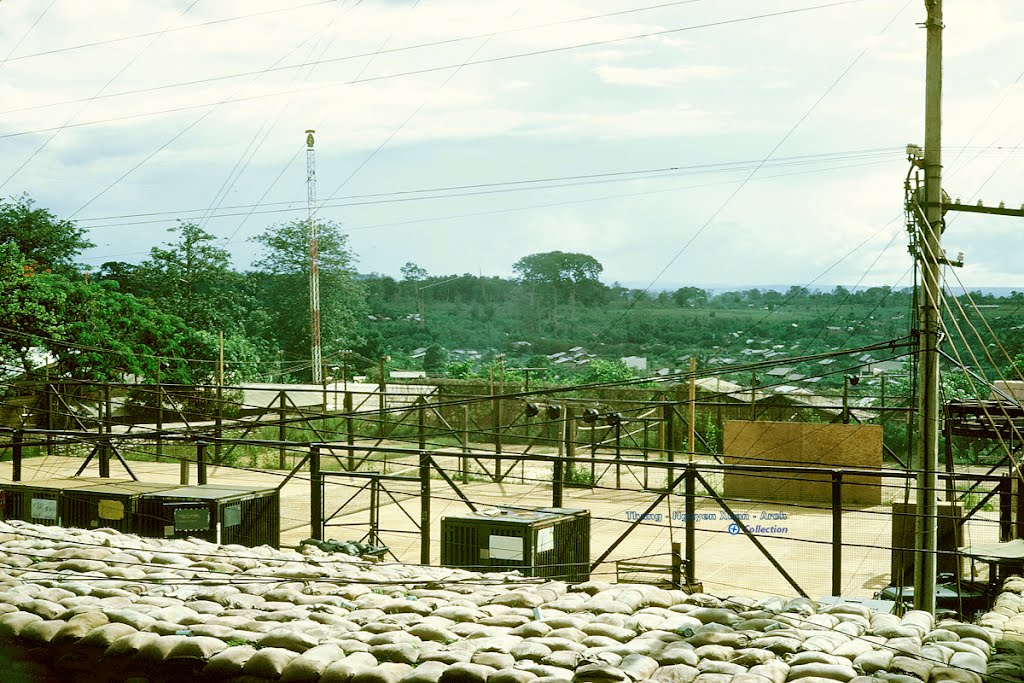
x,y
543,542
112,504
38,500
950,538
219,514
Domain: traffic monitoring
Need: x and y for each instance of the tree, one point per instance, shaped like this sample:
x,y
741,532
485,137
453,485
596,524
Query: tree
x,y
45,241
284,289
690,297
27,313
413,273
104,335
600,371
435,359
192,279
560,274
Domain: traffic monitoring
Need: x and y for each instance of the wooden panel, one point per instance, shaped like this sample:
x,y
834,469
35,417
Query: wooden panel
x,y
795,444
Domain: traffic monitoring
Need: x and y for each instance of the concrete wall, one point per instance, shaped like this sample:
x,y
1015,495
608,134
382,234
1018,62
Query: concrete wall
x,y
807,444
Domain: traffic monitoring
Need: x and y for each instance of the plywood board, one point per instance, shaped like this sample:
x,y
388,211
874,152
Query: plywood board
x,y
797,444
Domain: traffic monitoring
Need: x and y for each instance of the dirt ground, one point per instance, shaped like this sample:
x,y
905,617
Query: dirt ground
x,y
797,536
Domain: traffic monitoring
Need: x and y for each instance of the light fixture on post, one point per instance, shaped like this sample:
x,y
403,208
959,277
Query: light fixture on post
x,y
848,381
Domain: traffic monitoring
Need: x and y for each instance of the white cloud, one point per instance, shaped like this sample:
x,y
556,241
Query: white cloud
x,y
696,97
661,76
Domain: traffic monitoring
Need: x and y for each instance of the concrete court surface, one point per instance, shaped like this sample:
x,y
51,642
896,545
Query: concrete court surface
x,y
727,563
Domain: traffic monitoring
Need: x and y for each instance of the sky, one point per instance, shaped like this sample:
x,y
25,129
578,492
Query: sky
x,y
740,143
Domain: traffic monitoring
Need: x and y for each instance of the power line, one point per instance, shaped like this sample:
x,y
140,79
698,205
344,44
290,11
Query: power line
x,y
190,27
26,34
415,72
86,102
789,133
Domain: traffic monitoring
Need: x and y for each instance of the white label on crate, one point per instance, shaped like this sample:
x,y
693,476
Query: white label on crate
x,y
506,548
191,519
111,510
44,508
232,515
546,539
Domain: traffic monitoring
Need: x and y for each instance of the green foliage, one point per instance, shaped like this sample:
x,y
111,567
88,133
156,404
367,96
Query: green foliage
x,y
283,289
47,242
436,359
413,273
599,371
460,369
175,304
28,309
105,335
578,475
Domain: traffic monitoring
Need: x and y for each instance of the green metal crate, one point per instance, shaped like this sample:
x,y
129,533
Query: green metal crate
x,y
219,514
541,542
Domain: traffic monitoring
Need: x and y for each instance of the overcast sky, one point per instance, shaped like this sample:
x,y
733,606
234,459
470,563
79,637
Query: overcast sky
x,y
680,143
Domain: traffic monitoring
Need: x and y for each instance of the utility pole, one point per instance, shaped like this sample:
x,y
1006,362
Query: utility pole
x,y
314,261
926,459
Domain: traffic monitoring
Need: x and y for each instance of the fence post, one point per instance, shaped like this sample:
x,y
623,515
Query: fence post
x,y
106,416
690,485
350,437
382,390
374,535
105,458
421,422
183,469
668,413
618,455
17,438
316,492
218,422
201,462
50,404
424,508
677,565
496,421
160,421
557,470
837,532
570,431
282,431
1005,487
464,461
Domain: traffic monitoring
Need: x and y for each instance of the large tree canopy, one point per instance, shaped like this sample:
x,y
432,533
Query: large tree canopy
x,y
192,278
49,243
562,276
284,289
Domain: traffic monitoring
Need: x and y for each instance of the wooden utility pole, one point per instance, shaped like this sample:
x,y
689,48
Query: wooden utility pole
x,y
926,460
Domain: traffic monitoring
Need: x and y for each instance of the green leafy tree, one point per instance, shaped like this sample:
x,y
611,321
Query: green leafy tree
x,y
284,289
413,273
690,297
562,275
192,278
27,310
600,371
47,242
105,335
435,359
460,369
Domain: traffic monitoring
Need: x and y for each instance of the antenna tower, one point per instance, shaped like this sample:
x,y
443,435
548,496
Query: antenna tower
x,y
314,261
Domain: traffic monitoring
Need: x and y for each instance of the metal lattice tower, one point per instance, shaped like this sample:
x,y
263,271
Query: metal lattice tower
x,y
314,260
